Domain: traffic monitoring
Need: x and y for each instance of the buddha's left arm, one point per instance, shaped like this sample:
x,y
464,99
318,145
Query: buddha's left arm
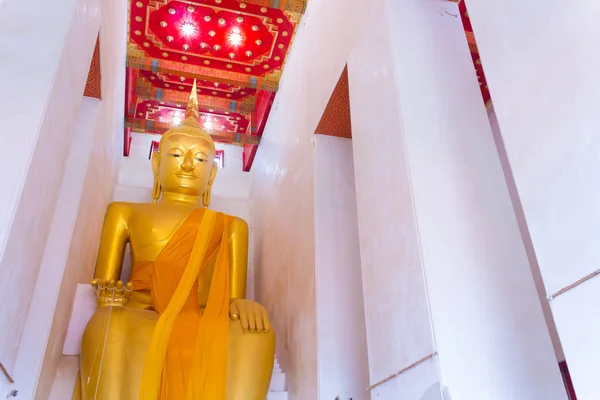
x,y
238,254
251,315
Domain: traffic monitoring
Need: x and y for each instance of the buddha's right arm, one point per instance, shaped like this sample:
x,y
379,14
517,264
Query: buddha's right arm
x,y
115,234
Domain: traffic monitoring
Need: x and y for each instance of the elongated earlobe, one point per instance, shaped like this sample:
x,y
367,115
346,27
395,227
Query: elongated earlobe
x,y
207,193
156,188
206,197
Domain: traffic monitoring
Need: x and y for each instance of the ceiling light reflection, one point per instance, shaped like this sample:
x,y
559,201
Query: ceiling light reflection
x,y
188,29
235,37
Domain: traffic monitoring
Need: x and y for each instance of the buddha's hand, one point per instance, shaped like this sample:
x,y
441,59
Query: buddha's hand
x,y
111,293
251,315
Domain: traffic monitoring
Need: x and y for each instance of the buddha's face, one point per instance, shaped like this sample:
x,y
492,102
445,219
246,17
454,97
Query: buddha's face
x,y
186,165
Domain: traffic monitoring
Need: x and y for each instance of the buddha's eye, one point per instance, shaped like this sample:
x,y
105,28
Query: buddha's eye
x,y
201,157
175,152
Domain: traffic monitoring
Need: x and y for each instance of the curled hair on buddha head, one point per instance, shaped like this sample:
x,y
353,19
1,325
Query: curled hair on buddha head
x,y
189,127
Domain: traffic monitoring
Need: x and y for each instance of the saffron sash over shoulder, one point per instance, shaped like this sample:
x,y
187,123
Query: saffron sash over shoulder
x,y
187,358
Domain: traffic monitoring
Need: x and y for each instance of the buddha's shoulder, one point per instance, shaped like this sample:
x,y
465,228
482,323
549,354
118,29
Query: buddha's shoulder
x,y
236,223
127,208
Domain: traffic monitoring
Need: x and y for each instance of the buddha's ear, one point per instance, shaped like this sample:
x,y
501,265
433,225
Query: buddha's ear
x,y
156,188
208,190
213,174
155,162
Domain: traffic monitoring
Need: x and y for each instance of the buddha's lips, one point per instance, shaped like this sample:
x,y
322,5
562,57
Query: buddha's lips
x,y
187,176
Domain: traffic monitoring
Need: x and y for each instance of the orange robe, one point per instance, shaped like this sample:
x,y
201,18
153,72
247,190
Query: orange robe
x,y
187,358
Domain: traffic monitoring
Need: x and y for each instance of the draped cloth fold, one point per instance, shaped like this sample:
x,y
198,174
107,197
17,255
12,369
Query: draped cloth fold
x,y
187,358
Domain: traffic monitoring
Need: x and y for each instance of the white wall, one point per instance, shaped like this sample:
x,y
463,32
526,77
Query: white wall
x,y
341,334
44,299
533,262
482,295
283,197
134,194
430,185
398,325
541,64
552,142
100,178
42,91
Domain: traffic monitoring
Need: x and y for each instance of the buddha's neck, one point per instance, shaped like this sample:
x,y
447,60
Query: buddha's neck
x,y
180,198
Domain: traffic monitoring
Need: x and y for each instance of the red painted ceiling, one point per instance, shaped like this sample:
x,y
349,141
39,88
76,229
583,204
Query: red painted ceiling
x,y
173,42
235,50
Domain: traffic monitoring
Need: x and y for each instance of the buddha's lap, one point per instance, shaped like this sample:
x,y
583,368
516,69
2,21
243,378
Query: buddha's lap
x,y
132,329
121,350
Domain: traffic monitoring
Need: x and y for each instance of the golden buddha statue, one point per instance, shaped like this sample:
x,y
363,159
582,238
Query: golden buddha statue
x,y
181,328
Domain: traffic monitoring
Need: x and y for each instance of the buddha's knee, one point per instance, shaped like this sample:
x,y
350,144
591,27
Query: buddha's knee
x,y
101,330
112,329
113,351
257,345
117,316
250,363
105,321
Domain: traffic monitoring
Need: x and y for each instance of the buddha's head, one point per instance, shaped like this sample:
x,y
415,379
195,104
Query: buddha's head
x,y
184,163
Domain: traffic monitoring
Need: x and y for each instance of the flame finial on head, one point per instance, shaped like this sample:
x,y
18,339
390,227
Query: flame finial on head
x,y
192,106
190,126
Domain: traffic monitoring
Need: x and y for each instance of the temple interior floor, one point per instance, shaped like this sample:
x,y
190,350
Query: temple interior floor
x,y
64,383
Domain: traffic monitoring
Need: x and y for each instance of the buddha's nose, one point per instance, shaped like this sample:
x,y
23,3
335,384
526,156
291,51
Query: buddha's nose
x,y
188,162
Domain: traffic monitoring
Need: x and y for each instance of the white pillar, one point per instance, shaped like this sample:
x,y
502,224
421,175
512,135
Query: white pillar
x,y
283,190
541,60
342,360
100,179
436,222
45,48
396,308
44,298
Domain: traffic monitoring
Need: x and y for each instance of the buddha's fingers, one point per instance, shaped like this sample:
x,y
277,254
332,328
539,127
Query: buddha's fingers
x,y
234,312
243,315
127,290
258,318
265,319
251,317
101,289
